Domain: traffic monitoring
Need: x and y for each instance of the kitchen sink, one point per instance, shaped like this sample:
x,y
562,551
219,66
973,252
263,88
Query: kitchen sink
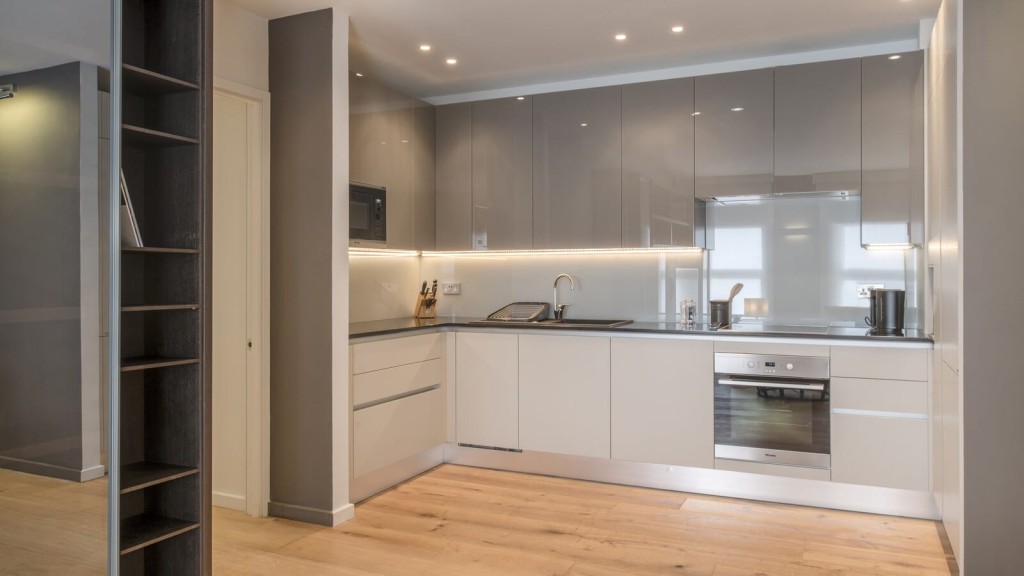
x,y
567,323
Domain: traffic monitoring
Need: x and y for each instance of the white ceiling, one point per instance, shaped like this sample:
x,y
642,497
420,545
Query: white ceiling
x,y
508,43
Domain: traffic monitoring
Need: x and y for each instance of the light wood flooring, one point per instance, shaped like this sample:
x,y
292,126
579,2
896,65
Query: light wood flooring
x,y
466,521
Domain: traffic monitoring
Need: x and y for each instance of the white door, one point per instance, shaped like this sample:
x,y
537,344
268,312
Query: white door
x,y
238,266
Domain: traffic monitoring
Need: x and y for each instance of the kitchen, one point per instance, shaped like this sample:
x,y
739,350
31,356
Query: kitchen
x,y
564,186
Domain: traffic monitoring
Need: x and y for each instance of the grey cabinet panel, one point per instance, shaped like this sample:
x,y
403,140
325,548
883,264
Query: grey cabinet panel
x,y
657,164
734,140
380,125
454,176
577,169
423,177
503,174
818,127
892,200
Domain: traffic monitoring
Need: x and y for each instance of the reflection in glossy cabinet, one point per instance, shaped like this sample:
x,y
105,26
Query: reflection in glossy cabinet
x,y
657,164
564,395
454,180
423,177
892,202
577,169
502,174
734,153
818,127
663,401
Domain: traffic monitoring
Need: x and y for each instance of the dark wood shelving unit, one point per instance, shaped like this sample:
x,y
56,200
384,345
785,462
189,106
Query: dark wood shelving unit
x,y
145,474
164,443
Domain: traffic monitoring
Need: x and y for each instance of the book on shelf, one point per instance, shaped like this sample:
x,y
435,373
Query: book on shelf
x,y
130,236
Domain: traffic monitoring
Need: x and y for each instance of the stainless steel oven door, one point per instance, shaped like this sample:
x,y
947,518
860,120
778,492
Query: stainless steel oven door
x,y
772,420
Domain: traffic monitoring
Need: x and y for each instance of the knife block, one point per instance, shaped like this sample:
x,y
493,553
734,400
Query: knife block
x,y
426,307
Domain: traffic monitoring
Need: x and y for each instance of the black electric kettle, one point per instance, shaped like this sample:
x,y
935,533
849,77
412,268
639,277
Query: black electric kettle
x,y
886,311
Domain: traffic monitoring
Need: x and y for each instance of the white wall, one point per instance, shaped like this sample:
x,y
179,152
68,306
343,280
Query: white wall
x,y
240,45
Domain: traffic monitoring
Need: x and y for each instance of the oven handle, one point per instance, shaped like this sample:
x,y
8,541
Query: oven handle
x,y
762,384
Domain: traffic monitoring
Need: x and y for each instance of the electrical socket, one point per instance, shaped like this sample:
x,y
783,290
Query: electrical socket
x,y
864,290
451,288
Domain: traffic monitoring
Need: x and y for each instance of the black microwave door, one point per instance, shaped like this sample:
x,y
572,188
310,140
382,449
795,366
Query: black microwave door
x,y
359,214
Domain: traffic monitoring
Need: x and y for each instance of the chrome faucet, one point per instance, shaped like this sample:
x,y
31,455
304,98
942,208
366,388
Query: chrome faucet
x,y
560,308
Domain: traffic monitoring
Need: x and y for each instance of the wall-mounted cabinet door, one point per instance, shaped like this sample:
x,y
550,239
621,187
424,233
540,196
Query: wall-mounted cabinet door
x,y
577,169
818,127
892,201
502,174
657,164
454,176
423,177
734,126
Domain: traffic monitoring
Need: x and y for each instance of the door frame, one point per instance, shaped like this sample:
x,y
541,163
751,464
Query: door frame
x,y
257,449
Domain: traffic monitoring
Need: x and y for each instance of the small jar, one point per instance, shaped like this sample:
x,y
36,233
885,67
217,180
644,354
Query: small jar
x,y
688,313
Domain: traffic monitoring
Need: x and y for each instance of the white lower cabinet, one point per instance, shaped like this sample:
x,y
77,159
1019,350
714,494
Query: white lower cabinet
x,y
564,394
663,401
395,430
880,433
487,389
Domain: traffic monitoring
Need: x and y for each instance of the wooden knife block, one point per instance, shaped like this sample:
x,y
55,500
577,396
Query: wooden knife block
x,y
426,307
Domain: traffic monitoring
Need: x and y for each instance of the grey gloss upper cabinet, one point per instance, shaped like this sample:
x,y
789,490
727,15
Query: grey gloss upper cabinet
x,y
892,201
577,169
734,122
454,176
818,127
657,164
502,143
391,143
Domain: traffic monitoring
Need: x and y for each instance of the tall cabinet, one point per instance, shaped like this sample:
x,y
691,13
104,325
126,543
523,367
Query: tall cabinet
x,y
164,440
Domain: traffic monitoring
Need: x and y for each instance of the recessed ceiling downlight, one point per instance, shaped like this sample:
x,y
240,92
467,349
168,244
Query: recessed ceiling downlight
x,y
620,37
451,61
677,29
738,109
425,47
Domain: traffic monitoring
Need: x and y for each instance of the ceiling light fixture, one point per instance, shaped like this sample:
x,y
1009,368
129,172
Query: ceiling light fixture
x,y
895,57
451,61
8,91
520,97
695,114
677,29
620,37
738,109
583,124
425,47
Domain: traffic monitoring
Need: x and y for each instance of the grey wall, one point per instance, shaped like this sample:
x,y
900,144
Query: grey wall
x,y
48,165
993,206
305,445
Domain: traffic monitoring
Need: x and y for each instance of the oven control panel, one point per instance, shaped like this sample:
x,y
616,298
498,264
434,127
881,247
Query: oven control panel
x,y
772,365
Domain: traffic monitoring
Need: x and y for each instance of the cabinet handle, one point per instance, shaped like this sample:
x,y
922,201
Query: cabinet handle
x,y
782,385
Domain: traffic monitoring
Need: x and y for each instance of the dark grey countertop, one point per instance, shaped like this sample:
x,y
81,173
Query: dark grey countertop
x,y
399,325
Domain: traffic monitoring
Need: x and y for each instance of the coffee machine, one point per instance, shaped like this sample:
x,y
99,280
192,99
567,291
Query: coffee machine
x,y
886,312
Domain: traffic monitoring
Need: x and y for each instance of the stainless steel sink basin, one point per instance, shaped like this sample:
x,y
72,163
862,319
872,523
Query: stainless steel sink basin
x,y
568,323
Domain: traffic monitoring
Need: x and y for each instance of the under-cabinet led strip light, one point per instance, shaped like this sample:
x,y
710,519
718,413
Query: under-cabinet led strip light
x,y
383,252
891,246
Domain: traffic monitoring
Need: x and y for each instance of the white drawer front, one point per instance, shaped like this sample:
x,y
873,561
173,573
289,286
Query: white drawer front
x,y
390,432
389,353
372,386
880,363
734,347
895,396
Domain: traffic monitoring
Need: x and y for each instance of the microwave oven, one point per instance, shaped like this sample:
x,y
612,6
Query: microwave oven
x,y
367,215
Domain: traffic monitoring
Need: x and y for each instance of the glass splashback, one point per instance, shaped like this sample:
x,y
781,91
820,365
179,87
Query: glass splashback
x,y
803,257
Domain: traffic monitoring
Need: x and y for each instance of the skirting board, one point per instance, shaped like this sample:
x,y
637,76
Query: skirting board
x,y
726,483
229,501
317,516
51,471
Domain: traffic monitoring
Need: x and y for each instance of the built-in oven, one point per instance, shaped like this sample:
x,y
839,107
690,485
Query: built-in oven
x,y
772,409
367,215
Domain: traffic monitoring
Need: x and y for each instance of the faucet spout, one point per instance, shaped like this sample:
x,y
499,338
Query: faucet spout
x,y
559,310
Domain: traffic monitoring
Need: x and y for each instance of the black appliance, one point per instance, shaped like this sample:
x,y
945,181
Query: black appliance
x,y
367,215
886,311
773,409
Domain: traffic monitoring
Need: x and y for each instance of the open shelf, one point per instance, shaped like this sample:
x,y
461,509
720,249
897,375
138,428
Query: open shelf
x,y
152,362
139,80
146,138
142,475
160,308
159,250
147,529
